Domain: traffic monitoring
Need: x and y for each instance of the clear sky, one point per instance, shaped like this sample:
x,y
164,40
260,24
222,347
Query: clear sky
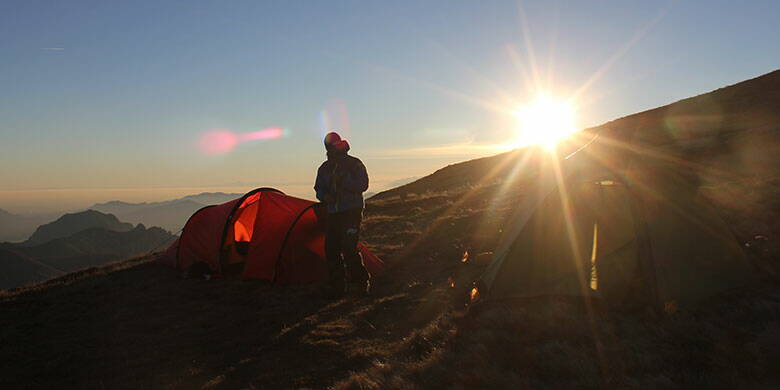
x,y
105,100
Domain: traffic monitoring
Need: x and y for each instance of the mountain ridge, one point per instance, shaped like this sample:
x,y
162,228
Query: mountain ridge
x,y
19,270
24,264
72,223
17,228
170,214
204,198
736,108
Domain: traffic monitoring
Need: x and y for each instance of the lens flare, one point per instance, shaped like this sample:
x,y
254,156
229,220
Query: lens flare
x,y
221,141
218,142
265,134
334,117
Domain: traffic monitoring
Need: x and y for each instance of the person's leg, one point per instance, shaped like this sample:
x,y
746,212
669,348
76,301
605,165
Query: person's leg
x,y
356,272
333,249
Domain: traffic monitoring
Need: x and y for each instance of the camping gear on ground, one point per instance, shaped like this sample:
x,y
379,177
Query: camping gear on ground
x,y
263,235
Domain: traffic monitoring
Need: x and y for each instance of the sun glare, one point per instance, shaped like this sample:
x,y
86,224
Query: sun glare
x,y
545,121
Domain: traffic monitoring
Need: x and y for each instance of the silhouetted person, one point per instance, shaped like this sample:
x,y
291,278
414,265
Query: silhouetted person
x,y
341,181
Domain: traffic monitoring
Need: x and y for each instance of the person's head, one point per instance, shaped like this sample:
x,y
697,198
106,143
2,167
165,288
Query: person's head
x,y
331,140
334,144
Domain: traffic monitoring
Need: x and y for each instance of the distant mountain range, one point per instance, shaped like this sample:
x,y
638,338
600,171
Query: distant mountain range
x,y
170,215
17,228
70,224
76,241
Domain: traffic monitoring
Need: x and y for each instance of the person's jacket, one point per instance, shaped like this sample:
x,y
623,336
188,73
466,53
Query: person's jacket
x,y
341,181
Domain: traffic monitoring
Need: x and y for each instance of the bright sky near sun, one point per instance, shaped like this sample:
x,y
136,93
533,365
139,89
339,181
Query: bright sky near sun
x,y
115,100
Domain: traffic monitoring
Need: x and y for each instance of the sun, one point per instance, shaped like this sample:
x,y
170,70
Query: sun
x,y
545,121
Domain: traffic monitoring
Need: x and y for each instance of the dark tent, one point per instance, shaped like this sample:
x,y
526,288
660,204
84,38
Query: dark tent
x,y
617,222
263,235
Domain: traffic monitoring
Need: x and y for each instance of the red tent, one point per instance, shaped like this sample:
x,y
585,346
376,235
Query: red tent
x,y
265,234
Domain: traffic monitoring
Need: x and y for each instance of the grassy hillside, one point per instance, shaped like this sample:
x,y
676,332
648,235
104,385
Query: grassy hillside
x,y
137,325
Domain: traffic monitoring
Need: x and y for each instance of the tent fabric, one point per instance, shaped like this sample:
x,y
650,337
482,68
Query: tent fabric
x,y
201,236
615,223
263,235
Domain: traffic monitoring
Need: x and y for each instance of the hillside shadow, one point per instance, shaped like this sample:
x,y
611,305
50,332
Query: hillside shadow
x,y
104,332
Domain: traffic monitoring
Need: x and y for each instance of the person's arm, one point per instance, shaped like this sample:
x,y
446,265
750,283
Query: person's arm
x,y
357,180
321,185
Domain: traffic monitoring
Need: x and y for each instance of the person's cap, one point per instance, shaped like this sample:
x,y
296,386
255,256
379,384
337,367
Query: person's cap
x,y
332,139
342,146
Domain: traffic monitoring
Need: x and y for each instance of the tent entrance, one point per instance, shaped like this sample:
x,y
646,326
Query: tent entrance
x,y
606,205
240,230
244,225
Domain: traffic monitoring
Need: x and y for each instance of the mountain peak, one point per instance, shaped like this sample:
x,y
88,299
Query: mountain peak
x,y
70,224
170,214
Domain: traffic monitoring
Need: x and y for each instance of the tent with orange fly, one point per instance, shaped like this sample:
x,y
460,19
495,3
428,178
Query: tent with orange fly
x,y
265,234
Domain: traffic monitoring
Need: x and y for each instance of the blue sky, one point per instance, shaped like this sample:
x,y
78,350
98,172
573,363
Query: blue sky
x,y
101,97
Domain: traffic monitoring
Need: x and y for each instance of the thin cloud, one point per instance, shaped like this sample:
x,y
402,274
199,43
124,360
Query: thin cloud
x,y
460,149
53,48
